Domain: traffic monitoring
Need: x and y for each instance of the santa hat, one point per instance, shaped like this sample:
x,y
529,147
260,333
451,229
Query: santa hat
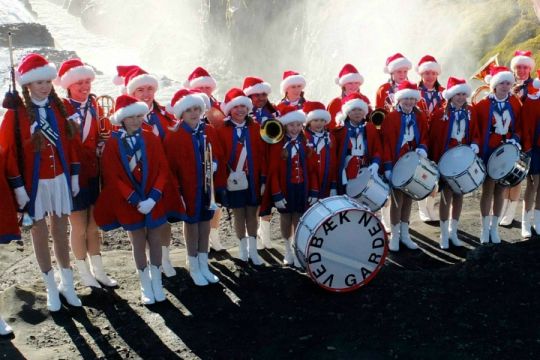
x,y
396,61
291,78
184,99
235,97
200,77
126,106
427,63
289,114
72,71
349,103
497,75
205,98
254,85
132,77
406,90
456,86
349,74
315,110
34,67
522,57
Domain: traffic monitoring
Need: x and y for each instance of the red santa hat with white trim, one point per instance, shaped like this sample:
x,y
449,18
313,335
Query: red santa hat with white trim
x,y
200,77
132,77
126,106
235,97
34,67
396,61
427,63
315,110
289,114
498,74
291,78
349,103
456,86
255,85
406,90
522,57
72,71
184,99
349,74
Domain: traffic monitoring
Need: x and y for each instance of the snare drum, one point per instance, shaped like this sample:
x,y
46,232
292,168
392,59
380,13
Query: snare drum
x,y
369,190
340,244
507,165
462,170
415,175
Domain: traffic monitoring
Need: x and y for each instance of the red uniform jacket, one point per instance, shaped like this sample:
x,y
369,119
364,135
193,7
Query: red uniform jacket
x,y
51,160
430,105
524,90
255,159
9,228
440,131
334,107
392,136
158,121
186,165
530,123
322,164
117,202
385,96
488,125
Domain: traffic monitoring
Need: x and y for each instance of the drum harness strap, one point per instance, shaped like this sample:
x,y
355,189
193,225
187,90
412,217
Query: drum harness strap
x,y
456,118
499,107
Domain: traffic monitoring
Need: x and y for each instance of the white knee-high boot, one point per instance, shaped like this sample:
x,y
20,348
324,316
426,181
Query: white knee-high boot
x,y
484,234
67,289
5,329
53,295
157,285
454,239
406,238
147,294
87,279
99,271
166,265
526,222
443,240
252,251
508,215
494,230
395,235
205,270
195,271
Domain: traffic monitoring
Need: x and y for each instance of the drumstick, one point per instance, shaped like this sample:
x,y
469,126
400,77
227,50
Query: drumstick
x,y
393,196
443,197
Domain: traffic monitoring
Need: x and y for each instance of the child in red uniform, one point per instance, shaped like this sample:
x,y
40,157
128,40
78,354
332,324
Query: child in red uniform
x,y
403,130
243,149
134,197
143,86
431,91
498,122
349,80
292,88
358,141
397,66
47,178
322,160
450,127
288,176
76,78
186,147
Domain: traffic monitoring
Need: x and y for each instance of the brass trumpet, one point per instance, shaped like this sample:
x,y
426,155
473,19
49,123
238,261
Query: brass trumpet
x,y
272,131
483,90
377,117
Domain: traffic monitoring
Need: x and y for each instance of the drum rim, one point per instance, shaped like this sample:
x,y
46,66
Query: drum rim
x,y
475,157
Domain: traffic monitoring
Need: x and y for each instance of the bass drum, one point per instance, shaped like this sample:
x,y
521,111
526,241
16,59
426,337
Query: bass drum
x,y
340,244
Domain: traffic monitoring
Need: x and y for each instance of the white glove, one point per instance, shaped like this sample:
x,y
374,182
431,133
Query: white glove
x,y
333,192
373,168
214,167
475,148
21,196
146,206
514,142
421,152
263,187
281,204
311,200
75,185
388,175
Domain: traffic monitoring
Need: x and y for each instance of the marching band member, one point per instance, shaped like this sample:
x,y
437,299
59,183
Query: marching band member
x,y
143,86
403,130
76,78
522,64
200,80
258,90
43,139
9,228
288,176
397,66
449,127
134,195
349,80
498,122
530,122
188,149
358,141
431,90
292,88
322,160
243,149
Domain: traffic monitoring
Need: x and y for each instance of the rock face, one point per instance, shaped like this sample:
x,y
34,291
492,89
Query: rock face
x,y
26,35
